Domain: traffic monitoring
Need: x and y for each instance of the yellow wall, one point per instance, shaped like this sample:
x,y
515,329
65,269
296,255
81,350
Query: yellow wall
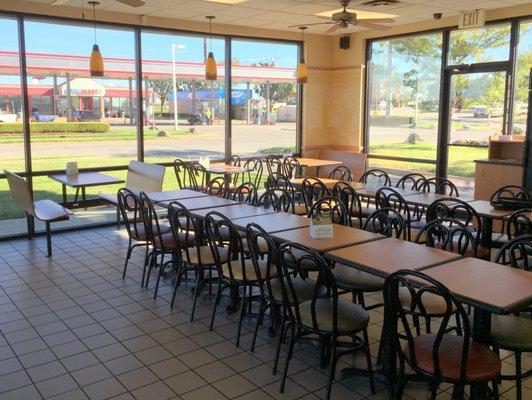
x,y
333,98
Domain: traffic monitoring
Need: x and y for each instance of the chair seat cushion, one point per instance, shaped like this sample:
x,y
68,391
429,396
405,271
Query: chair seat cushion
x,y
238,267
482,363
349,278
351,318
139,232
168,241
512,332
50,211
362,212
433,304
203,255
304,289
262,244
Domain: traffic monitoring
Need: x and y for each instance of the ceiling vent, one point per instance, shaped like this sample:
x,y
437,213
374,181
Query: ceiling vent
x,y
375,3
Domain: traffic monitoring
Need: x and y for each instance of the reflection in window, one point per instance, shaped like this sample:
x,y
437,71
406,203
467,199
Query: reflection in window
x,y
264,97
403,99
486,44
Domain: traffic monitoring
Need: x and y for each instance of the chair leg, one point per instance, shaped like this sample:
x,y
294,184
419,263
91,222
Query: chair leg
x,y
152,263
495,386
332,368
368,360
280,341
197,291
288,356
128,255
147,257
48,240
216,302
245,300
118,218
262,311
518,376
161,270
434,390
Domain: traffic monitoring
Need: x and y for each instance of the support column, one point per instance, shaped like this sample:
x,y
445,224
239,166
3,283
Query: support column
x,y
130,101
70,115
248,102
147,99
267,102
54,98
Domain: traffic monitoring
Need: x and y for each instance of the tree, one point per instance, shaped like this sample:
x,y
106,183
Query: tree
x,y
162,89
279,91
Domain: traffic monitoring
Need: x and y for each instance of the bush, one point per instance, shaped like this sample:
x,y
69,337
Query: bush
x,y
56,127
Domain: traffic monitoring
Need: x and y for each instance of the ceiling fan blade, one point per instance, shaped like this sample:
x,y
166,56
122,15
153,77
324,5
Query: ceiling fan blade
x,y
373,26
378,20
132,3
317,23
333,28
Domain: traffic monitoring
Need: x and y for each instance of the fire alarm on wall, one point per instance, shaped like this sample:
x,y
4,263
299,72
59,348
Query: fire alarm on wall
x,y
344,42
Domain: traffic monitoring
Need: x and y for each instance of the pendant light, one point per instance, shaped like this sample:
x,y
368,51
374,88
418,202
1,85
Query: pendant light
x,y
301,71
211,71
96,62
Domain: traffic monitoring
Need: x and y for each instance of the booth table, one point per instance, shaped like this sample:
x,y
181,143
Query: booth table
x,y
170,195
83,180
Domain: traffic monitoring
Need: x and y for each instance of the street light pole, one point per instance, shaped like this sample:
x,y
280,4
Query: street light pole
x,y
174,79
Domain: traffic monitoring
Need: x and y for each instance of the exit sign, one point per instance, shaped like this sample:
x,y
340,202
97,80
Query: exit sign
x,y
472,19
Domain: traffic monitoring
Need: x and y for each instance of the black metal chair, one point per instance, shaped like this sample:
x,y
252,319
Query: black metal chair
x,y
198,176
346,193
388,222
313,190
291,167
460,210
245,193
519,223
333,207
341,173
411,181
387,197
513,192
377,173
237,270
282,182
448,234
274,163
254,175
218,186
277,199
439,357
235,161
182,174
439,185
325,316
514,332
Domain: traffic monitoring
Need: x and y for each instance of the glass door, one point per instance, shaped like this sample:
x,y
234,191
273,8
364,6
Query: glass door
x,y
476,111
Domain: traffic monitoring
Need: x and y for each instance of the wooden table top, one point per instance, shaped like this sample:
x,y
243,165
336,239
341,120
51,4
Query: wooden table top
x,y
493,287
220,168
235,211
316,162
198,203
389,255
277,222
326,181
360,188
426,199
170,195
84,179
342,236
485,209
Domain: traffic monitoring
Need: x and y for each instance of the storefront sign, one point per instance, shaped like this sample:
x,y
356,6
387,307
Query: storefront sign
x,y
84,87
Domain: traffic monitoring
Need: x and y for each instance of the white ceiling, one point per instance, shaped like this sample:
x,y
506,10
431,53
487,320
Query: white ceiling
x,y
280,14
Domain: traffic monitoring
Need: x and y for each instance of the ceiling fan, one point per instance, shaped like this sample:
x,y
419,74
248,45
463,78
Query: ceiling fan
x,y
345,18
131,3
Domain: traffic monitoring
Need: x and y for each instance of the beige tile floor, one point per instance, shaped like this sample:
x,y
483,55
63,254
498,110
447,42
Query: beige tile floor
x,y
72,328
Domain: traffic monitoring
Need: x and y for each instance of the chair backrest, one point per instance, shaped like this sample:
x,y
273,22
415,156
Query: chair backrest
x,y
439,185
20,192
235,161
151,221
254,175
378,173
298,262
274,163
145,177
279,181
331,206
388,222
291,167
341,173
387,197
448,234
421,286
257,238
519,223
411,181
344,192
181,173
198,175
277,199
186,230
218,186
132,213
450,207
511,192
245,193
516,253
222,233
313,190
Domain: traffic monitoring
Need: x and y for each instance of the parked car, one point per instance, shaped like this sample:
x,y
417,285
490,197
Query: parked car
x,y
487,112
86,115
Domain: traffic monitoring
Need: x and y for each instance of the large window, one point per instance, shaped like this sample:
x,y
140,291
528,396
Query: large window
x,y
403,101
486,44
524,65
264,97
199,128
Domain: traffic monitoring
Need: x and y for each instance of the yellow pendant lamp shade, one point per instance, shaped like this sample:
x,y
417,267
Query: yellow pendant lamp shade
x,y
96,61
211,70
302,72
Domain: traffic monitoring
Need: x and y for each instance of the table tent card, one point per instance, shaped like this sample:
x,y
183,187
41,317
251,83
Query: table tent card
x,y
374,183
72,168
321,227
